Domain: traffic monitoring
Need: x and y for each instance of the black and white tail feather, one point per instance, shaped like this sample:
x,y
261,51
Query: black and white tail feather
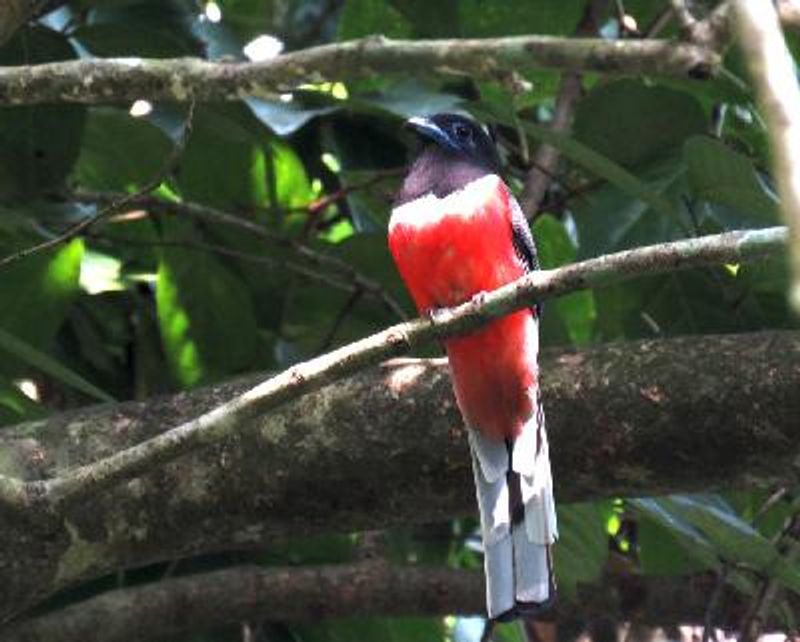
x,y
518,520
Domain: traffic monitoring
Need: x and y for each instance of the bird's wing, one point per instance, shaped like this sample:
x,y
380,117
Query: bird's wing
x,y
524,245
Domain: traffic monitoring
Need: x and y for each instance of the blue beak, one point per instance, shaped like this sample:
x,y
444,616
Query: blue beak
x,y
426,128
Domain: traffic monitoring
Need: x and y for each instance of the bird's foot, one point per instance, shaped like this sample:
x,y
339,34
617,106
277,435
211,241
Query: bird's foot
x,y
479,298
437,315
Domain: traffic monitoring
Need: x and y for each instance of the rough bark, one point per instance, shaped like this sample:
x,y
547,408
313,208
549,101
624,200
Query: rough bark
x,y
386,447
211,427
182,79
285,594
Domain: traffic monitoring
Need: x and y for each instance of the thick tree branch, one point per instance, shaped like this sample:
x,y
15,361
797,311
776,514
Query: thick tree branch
x,y
285,594
772,70
627,419
107,80
219,423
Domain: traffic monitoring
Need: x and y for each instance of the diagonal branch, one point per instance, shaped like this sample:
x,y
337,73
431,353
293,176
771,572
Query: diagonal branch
x,y
104,80
386,447
87,480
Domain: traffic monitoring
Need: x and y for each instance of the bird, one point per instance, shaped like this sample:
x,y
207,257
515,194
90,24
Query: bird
x,y
456,232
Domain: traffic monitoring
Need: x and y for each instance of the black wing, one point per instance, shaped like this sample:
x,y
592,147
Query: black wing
x,y
524,245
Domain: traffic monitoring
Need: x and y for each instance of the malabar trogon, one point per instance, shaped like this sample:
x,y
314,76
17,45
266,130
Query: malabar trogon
x,y
456,231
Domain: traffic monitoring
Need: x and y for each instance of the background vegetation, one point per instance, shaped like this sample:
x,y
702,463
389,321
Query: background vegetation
x,y
152,299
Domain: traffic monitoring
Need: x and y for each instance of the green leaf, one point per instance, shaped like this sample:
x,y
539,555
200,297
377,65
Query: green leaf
x,y
719,175
574,311
36,291
582,549
120,152
368,209
205,313
367,17
27,353
669,544
39,143
633,123
613,218
251,18
430,19
696,302
410,98
604,167
732,536
292,187
122,38
220,133
487,18
145,29
285,118
313,308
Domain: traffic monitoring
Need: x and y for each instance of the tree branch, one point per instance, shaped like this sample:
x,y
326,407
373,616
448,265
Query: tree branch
x,y
84,481
330,266
788,542
340,460
545,161
772,70
106,80
361,589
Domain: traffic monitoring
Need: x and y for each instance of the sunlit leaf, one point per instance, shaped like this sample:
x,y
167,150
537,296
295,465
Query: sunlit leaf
x,y
205,314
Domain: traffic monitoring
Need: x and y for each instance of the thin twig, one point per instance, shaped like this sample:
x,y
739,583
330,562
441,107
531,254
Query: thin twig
x,y
715,600
545,160
789,541
347,308
114,206
319,205
658,23
83,481
325,262
233,253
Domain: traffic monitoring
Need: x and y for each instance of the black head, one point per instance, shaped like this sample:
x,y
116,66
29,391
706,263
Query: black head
x,y
457,151
460,136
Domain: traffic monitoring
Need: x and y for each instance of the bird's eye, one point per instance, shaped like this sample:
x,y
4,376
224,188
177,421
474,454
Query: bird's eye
x,y
462,132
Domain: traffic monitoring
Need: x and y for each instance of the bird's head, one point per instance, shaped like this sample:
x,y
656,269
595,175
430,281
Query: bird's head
x,y
459,136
